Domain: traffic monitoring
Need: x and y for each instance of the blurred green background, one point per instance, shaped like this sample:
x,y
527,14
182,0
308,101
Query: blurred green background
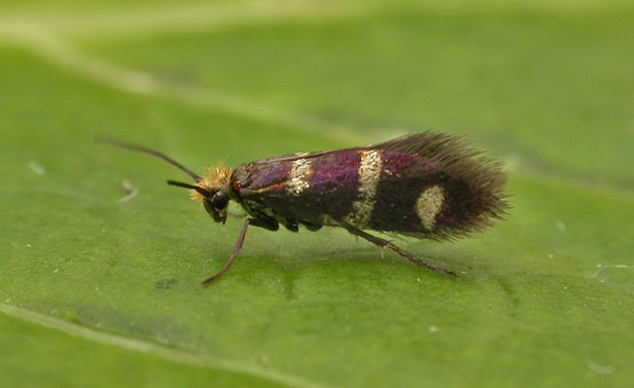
x,y
98,292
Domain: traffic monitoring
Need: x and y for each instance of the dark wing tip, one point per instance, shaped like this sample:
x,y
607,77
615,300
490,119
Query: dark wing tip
x,y
475,184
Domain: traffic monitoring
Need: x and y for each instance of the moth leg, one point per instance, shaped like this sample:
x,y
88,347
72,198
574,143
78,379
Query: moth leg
x,y
313,227
386,244
291,225
236,249
266,223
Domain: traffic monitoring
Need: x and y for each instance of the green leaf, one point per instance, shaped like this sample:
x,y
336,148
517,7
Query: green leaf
x,y
101,261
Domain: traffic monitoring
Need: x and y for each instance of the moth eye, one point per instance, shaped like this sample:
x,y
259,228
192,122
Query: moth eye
x,y
220,200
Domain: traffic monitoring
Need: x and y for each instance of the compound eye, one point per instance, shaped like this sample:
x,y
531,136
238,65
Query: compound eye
x,y
220,200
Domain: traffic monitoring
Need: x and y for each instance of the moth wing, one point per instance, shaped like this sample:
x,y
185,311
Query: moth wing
x,y
291,157
473,184
457,158
431,145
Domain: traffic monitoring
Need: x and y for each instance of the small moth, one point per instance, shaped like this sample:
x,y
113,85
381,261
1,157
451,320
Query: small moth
x,y
426,185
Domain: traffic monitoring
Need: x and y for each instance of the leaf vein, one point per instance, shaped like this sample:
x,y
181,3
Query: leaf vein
x,y
149,348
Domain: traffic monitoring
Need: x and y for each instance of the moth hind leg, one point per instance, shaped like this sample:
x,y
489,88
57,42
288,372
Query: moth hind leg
x,y
387,244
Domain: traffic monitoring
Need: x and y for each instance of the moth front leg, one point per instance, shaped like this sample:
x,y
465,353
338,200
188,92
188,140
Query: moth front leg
x,y
236,249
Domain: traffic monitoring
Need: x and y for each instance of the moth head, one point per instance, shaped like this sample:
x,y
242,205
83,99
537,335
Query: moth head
x,y
213,191
216,206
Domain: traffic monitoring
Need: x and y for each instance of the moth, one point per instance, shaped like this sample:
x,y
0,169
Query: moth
x,y
426,185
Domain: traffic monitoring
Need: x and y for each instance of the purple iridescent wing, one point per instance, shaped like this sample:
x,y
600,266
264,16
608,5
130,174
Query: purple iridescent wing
x,y
312,189
425,185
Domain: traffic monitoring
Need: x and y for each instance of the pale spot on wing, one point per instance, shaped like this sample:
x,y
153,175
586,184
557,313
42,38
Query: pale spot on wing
x,y
429,205
299,176
370,167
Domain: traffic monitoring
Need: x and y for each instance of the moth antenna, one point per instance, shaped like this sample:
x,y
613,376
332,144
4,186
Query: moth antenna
x,y
134,147
199,189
